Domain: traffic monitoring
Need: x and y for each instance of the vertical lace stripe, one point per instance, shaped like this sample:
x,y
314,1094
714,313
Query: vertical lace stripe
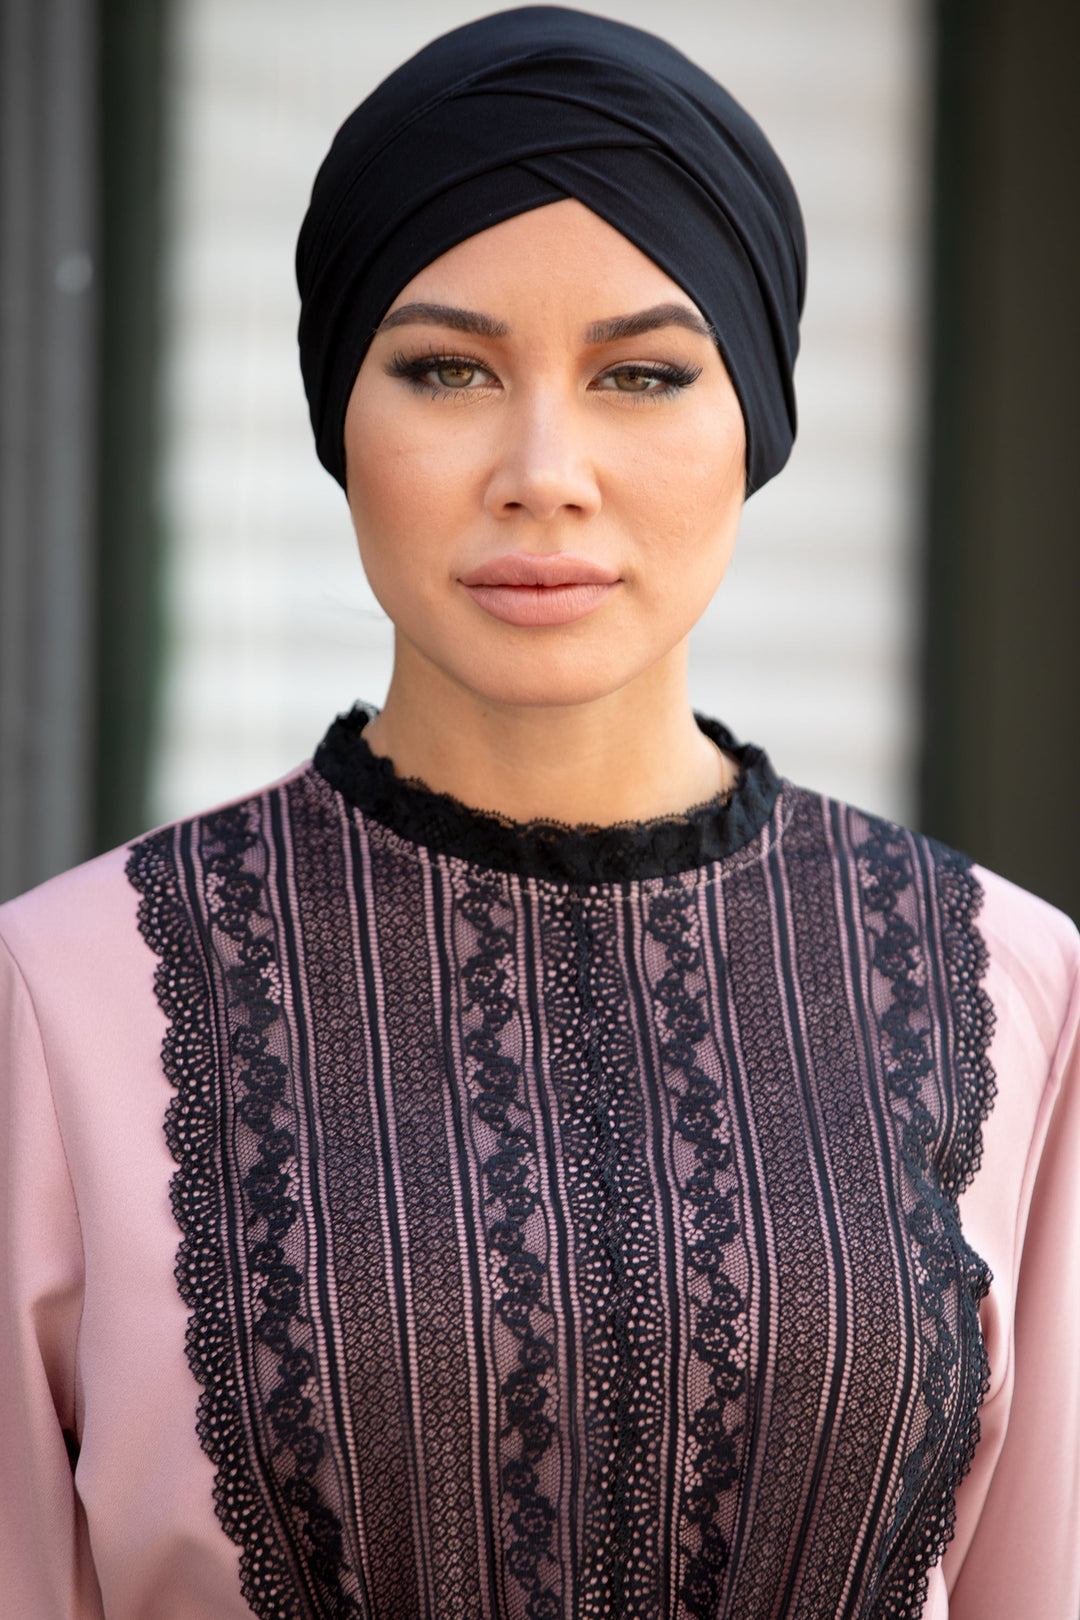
x,y
244,1267
561,1250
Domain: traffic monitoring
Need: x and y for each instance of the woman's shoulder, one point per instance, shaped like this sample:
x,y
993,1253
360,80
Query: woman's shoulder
x,y
1033,952
1018,919
1014,917
76,911
92,908
1032,949
78,1016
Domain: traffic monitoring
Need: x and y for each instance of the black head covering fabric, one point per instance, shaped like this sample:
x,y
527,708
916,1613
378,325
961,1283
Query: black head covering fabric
x,y
525,108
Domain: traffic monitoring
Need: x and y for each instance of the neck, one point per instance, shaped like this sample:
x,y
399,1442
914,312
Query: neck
x,y
632,755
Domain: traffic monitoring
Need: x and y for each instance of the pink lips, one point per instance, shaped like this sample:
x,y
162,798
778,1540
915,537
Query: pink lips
x,y
533,591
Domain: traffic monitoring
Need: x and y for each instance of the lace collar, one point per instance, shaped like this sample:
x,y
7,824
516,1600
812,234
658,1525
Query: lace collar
x,y
544,849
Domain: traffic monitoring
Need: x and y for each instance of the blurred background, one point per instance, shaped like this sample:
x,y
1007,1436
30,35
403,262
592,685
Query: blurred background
x,y
181,607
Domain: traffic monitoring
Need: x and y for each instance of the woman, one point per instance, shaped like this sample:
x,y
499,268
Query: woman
x,y
593,1192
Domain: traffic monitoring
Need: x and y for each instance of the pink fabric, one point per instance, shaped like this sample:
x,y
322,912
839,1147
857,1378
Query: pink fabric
x,y
92,1328
93,1335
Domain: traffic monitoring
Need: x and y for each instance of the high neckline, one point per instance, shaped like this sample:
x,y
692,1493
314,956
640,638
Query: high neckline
x,y
550,850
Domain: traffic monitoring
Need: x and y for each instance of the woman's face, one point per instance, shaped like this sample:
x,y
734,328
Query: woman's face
x,y
544,462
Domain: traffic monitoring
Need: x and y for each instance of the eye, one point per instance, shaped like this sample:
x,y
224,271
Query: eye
x,y
637,380
454,374
631,381
442,373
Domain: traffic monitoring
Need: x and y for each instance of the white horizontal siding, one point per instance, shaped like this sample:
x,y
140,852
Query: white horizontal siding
x,y
807,647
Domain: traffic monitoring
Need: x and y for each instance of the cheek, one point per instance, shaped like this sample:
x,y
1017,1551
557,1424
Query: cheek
x,y
383,479
687,495
404,490
384,507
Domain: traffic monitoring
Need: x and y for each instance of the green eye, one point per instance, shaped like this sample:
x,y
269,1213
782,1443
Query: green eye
x,y
455,375
437,374
633,382
656,380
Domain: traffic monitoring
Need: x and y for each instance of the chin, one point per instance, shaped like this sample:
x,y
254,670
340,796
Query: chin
x,y
558,681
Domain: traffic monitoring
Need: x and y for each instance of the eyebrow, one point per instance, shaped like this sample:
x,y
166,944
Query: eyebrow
x,y
459,320
649,320
619,326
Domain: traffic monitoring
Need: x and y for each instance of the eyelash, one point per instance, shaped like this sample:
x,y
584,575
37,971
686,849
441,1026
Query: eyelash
x,y
415,369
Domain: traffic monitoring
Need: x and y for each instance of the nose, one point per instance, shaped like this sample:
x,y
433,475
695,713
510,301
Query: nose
x,y
543,470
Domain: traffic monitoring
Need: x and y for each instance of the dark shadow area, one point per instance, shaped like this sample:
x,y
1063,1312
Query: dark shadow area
x,y
1001,770
130,615
81,186
50,340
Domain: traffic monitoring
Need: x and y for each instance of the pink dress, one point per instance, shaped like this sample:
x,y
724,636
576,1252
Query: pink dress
x,y
468,1471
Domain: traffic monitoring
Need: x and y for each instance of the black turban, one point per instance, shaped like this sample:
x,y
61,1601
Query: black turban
x,y
525,108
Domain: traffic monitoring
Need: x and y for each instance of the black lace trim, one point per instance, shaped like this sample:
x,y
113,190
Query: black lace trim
x,y
512,1199
236,912
627,1449
711,1200
545,849
202,1270
966,962
956,1369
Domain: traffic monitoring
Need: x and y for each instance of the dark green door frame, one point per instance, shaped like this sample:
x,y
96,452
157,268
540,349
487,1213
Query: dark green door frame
x,y
1001,696
49,374
81,115
130,616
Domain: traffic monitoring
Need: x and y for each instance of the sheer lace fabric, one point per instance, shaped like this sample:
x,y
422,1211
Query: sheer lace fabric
x,y
570,1217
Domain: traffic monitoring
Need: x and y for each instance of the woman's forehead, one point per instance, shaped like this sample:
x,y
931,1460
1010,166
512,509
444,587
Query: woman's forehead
x,y
547,258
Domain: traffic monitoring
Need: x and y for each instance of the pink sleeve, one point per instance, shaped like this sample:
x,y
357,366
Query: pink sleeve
x,y
1017,1550
45,1569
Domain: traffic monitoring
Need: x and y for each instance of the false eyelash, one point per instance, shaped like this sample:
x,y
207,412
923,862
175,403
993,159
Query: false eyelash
x,y
675,376
412,368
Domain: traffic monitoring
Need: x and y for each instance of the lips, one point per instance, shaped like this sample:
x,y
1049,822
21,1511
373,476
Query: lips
x,y
535,591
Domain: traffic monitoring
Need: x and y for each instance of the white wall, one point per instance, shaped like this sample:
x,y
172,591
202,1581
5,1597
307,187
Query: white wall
x,y
807,648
